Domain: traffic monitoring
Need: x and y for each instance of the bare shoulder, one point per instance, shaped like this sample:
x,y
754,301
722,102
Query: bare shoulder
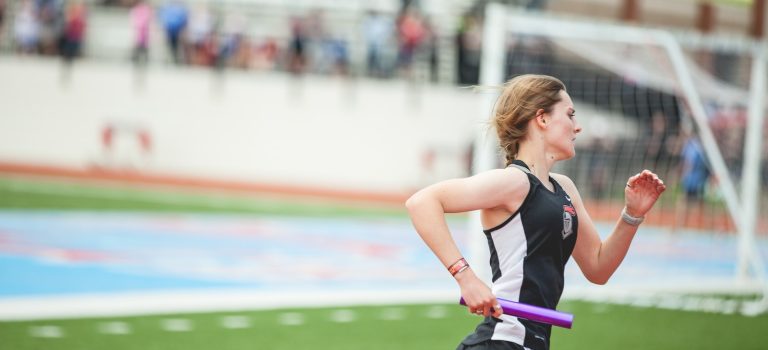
x,y
514,179
503,180
566,183
510,187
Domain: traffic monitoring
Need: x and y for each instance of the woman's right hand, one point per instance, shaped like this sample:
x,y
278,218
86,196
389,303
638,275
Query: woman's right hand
x,y
478,297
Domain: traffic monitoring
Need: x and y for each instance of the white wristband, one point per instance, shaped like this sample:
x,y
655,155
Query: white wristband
x,y
631,220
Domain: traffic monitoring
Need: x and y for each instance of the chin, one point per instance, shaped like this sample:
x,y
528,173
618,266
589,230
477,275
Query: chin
x,y
568,155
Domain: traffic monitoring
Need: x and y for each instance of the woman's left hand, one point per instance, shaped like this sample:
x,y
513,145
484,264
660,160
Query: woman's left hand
x,y
641,192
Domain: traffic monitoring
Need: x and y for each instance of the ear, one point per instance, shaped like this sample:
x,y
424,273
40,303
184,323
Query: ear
x,y
541,118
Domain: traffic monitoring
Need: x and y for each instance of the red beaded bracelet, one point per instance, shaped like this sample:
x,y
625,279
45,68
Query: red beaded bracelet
x,y
458,266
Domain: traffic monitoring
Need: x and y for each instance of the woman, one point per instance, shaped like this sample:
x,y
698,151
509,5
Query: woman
x,y
534,220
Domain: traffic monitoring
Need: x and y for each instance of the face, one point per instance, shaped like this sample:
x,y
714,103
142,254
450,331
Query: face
x,y
562,128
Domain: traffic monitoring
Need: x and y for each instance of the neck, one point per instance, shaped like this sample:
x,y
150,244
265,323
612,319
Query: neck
x,y
537,159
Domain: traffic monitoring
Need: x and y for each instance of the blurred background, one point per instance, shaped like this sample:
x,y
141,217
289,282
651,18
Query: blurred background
x,y
198,174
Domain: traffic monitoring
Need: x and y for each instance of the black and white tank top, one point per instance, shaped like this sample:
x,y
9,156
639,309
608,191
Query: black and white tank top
x,y
529,251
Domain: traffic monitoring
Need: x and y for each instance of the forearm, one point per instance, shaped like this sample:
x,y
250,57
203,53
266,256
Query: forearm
x,y
613,250
428,219
428,216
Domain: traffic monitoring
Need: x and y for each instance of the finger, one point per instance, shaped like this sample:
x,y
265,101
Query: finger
x,y
497,311
487,310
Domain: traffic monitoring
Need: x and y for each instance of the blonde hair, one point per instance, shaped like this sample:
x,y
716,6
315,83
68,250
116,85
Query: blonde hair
x,y
521,98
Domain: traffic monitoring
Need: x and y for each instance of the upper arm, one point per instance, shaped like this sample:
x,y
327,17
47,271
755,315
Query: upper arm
x,y
588,241
499,188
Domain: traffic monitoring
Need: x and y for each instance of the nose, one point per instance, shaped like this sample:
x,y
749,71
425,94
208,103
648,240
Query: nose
x,y
577,128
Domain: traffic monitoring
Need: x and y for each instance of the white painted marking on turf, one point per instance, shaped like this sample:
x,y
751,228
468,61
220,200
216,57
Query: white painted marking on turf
x,y
670,303
730,307
643,302
437,312
692,304
46,331
600,308
753,308
291,319
177,325
235,322
392,314
196,301
343,316
115,327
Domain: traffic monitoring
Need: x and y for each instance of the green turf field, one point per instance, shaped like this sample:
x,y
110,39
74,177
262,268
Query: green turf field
x,y
597,326
28,193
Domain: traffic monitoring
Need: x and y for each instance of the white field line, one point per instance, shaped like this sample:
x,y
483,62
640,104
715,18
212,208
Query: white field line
x,y
115,327
176,325
46,331
131,304
392,314
437,312
343,316
291,319
235,322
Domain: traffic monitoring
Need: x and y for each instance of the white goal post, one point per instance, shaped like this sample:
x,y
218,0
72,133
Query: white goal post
x,y
743,206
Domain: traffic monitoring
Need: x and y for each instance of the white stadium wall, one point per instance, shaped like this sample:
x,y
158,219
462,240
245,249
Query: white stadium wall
x,y
317,132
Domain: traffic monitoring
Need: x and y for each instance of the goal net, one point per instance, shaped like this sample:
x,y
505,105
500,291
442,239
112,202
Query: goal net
x,y
686,106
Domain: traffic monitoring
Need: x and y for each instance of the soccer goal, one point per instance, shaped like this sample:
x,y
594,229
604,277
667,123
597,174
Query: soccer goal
x,y
687,106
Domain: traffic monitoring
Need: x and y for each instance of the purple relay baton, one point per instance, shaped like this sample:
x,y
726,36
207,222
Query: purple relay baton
x,y
534,313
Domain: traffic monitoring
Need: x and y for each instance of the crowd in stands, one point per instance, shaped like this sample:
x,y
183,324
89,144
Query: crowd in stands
x,y
47,27
200,34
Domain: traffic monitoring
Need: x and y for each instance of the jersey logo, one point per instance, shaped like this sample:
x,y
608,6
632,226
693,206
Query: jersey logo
x,y
568,213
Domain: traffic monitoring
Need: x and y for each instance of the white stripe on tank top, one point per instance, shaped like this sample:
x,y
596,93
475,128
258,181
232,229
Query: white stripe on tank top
x,y
511,247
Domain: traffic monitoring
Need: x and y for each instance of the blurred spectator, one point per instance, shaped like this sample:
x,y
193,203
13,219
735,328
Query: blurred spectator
x,y
431,47
141,18
469,42
599,171
694,172
232,48
764,160
2,18
410,28
694,177
26,28
377,29
656,141
51,17
338,54
74,30
265,54
200,35
318,44
297,50
173,16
